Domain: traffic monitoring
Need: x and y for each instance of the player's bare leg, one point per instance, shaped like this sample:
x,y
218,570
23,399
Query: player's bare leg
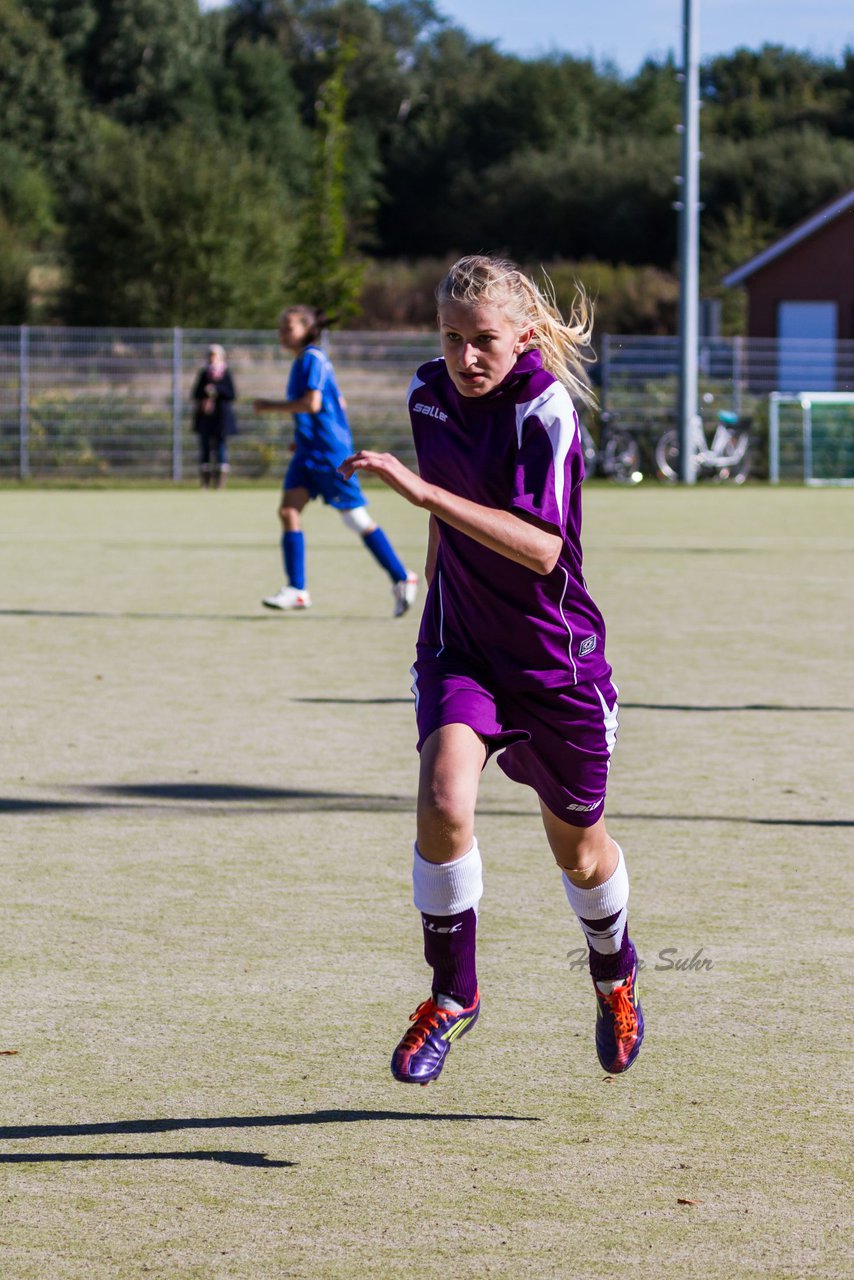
x,y
452,760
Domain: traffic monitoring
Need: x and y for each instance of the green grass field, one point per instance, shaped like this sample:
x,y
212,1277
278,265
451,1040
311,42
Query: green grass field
x,y
209,949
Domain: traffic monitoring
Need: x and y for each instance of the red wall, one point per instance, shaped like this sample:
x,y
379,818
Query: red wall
x,y
819,269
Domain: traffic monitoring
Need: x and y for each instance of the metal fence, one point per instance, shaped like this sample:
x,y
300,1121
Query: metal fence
x,y
88,403
640,384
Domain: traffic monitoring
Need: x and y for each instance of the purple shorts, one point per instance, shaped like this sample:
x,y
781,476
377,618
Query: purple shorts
x,y
557,741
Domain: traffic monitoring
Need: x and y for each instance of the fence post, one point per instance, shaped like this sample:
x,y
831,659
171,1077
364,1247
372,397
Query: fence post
x,y
806,419
774,438
177,406
604,370
24,402
737,371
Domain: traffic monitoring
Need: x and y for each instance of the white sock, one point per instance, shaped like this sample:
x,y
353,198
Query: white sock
x,y
600,902
447,888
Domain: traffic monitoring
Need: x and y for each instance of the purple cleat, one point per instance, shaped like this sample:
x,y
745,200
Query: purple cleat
x,y
421,1054
619,1022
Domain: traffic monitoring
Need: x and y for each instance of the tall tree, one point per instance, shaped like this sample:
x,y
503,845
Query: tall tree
x,y
140,57
71,24
41,106
324,273
167,230
15,264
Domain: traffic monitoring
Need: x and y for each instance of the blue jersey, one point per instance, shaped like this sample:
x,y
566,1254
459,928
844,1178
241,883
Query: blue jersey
x,y
322,439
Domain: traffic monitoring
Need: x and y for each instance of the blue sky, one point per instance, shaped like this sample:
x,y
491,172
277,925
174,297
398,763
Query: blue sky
x,y
627,31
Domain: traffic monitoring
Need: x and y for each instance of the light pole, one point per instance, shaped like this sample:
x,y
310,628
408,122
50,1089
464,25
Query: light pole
x,y
689,239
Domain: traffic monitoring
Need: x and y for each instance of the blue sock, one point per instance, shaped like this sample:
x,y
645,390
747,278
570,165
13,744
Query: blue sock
x,y
382,550
293,554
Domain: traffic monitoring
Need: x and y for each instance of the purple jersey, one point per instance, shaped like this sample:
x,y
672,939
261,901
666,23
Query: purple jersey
x,y
516,449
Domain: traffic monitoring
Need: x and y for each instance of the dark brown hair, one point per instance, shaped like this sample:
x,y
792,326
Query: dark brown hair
x,y
315,317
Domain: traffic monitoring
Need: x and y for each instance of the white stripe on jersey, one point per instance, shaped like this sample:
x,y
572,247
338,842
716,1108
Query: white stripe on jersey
x,y
554,410
413,386
610,720
441,612
566,623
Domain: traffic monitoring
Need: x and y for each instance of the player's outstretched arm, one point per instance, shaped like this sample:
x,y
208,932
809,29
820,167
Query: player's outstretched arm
x,y
309,402
528,544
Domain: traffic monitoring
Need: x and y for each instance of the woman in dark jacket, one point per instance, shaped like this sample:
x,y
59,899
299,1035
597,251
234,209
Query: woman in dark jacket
x,y
214,421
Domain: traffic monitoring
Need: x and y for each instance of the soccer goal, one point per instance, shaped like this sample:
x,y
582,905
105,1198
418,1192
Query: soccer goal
x,y
811,436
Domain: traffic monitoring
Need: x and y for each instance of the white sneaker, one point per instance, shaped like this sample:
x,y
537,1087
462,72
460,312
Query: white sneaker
x,y
404,594
288,598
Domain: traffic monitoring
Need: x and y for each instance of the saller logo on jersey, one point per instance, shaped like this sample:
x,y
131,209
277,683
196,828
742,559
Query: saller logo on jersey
x,y
584,808
431,411
587,646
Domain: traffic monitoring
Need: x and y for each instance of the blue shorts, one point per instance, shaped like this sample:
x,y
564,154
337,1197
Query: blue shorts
x,y
324,482
558,741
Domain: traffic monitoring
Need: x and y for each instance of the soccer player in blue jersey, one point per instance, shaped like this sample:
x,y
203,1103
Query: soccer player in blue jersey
x,y
321,442
511,651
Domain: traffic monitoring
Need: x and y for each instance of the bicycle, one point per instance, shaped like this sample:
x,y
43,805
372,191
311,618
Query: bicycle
x,y
727,458
617,455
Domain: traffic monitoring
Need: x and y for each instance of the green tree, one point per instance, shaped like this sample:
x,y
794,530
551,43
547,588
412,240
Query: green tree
x,y
26,197
245,95
324,272
167,230
472,110
751,93
779,178
608,199
141,57
15,264
41,106
70,23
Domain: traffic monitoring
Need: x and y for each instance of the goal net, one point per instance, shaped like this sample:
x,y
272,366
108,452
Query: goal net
x,y
811,437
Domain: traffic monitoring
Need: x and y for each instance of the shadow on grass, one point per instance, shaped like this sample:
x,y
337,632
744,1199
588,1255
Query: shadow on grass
x,y
246,1159
239,793
269,616
731,818
178,796
747,706
154,617
357,702
624,706
17,1132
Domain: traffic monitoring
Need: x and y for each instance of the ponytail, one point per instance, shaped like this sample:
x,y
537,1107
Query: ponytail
x,y
315,317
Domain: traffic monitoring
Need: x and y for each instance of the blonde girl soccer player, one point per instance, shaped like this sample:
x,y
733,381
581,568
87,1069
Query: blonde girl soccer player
x,y
321,441
511,651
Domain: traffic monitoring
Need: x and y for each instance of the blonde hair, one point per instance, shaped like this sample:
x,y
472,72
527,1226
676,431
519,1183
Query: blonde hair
x,y
565,345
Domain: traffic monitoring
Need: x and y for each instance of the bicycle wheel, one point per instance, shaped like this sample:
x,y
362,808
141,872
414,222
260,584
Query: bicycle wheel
x,y
738,470
667,457
588,451
622,458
